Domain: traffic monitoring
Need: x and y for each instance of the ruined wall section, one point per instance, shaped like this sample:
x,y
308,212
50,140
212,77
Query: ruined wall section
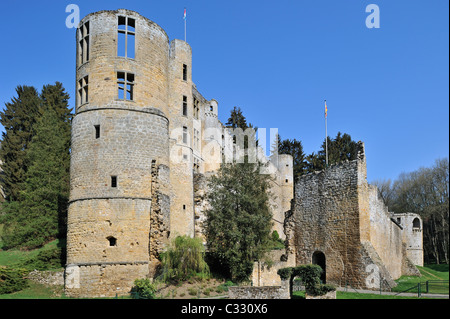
x,y
326,219
412,236
386,236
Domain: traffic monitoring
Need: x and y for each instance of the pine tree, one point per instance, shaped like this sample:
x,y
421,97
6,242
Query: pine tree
x,y
295,149
237,119
39,214
239,220
18,119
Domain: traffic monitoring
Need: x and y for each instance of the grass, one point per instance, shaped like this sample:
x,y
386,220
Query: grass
x,y
14,256
355,295
429,272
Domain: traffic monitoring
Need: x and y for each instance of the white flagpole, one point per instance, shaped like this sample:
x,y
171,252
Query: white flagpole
x,y
326,135
185,18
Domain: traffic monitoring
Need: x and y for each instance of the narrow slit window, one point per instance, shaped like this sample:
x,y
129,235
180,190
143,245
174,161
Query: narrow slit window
x,y
97,131
126,37
83,43
125,86
83,90
185,135
184,72
184,105
114,181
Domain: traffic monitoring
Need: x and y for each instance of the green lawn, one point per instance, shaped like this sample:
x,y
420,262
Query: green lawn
x,y
432,273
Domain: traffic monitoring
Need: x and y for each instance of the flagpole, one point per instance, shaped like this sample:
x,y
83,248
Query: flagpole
x,y
326,135
185,18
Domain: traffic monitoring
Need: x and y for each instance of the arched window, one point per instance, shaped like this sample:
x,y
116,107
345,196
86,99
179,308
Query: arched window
x,y
416,223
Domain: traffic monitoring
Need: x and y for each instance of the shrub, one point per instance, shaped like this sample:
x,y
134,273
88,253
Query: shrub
x,y
310,277
184,260
143,289
12,280
45,260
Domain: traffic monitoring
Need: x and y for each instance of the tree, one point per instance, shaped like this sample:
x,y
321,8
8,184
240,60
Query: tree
x,y
426,192
18,119
340,149
237,119
239,221
38,215
295,149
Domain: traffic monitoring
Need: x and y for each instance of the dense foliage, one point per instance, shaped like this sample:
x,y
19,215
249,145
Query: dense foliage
x,y
239,221
184,259
12,280
310,277
143,289
37,194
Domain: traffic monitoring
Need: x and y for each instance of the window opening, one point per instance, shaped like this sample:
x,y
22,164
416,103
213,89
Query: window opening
x,y
184,105
184,72
97,131
83,44
83,90
125,86
114,181
126,40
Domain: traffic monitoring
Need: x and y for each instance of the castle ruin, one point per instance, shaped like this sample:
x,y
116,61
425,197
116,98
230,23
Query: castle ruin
x,y
143,142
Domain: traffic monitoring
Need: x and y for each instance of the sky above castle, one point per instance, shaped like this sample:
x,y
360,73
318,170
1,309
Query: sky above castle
x,y
386,84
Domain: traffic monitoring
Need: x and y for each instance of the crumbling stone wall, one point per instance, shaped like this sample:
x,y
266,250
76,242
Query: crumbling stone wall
x,y
336,214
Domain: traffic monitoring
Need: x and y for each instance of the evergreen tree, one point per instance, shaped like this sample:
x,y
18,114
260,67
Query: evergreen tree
x,y
295,149
39,214
239,220
340,149
237,119
18,119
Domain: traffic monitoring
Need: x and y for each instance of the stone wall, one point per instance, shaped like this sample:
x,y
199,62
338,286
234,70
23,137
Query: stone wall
x,y
265,273
266,292
340,222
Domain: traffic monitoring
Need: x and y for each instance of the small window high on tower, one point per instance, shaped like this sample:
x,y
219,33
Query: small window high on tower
x,y
184,72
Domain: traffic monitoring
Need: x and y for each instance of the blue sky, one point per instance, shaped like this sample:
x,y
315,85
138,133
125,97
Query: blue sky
x,y
278,61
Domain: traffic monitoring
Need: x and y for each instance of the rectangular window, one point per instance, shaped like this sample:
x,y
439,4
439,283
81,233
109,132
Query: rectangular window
x,y
185,135
184,105
125,86
126,37
196,108
97,131
83,43
114,181
184,72
83,90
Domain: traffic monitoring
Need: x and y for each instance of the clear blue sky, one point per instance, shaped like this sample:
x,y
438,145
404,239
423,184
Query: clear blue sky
x,y
278,61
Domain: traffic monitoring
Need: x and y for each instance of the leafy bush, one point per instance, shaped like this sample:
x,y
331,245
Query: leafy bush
x,y
143,289
310,277
12,280
184,260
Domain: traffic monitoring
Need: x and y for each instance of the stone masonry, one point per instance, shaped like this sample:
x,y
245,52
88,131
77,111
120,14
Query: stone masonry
x,y
143,141
340,222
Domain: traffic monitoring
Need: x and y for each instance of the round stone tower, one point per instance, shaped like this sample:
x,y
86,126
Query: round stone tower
x,y
120,153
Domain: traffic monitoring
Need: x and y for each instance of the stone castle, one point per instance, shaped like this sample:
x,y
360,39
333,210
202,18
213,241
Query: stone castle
x,y
143,142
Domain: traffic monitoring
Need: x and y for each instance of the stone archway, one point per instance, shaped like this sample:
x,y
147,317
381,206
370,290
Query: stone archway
x,y
318,258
